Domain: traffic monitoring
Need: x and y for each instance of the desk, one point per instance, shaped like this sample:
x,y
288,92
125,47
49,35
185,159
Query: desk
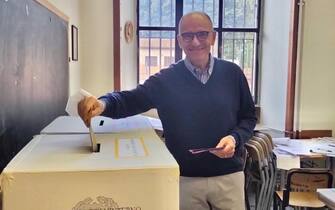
x,y
298,149
290,152
327,196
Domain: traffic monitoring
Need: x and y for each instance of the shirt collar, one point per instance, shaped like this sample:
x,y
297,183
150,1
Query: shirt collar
x,y
193,69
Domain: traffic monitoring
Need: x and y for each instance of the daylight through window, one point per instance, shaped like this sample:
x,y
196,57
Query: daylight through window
x,y
236,23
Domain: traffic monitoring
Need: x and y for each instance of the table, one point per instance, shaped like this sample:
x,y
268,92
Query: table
x,y
327,195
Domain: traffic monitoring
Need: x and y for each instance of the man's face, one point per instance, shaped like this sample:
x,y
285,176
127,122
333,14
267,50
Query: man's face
x,y
195,38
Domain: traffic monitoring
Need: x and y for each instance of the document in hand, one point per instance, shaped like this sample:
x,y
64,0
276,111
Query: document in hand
x,y
72,103
93,139
72,110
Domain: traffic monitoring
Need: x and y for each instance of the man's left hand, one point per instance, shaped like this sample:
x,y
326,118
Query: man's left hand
x,y
228,147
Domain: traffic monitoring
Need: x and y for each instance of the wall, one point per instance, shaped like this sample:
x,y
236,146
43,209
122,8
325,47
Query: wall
x,y
71,9
96,46
129,51
94,69
316,98
274,63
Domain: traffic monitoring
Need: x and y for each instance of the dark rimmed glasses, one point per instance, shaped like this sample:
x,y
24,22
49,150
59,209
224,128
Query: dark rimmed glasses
x,y
189,36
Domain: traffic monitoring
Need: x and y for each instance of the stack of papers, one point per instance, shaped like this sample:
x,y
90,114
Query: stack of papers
x,y
308,147
288,151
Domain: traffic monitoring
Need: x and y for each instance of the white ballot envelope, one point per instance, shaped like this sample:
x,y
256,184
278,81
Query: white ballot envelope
x,y
93,140
72,103
72,110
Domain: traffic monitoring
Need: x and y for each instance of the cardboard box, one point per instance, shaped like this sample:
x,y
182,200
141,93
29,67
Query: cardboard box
x,y
100,124
0,192
132,171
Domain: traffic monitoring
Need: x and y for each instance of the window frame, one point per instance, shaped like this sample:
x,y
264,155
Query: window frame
x,y
220,30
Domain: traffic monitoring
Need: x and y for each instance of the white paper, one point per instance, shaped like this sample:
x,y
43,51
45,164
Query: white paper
x,y
94,144
327,195
100,124
130,148
156,123
281,141
72,103
286,161
298,147
260,127
133,123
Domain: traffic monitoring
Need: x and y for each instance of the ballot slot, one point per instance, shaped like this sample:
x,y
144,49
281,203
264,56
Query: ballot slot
x,y
101,123
98,148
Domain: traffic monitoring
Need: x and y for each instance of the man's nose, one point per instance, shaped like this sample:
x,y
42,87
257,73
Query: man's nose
x,y
195,40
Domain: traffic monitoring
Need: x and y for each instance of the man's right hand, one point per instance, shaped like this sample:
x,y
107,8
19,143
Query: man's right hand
x,y
90,107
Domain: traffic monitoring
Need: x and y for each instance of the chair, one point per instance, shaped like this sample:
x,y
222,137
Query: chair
x,y
245,165
267,147
257,172
301,185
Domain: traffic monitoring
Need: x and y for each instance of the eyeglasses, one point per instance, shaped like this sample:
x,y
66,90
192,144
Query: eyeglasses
x,y
201,36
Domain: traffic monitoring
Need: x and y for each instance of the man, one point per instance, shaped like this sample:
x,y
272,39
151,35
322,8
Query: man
x,y
202,102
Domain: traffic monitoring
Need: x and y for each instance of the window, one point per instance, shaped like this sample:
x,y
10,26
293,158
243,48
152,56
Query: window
x,y
168,60
150,60
235,21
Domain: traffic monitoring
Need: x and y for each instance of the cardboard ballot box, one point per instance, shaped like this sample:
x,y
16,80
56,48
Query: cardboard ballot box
x,y
100,124
132,170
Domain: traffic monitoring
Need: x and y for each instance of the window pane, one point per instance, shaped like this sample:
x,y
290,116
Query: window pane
x,y
239,13
211,7
157,51
150,61
157,13
239,48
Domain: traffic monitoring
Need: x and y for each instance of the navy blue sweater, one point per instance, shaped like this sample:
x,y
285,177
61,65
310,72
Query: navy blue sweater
x,y
194,114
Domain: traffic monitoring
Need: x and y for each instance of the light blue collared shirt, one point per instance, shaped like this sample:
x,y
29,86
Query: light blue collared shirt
x,y
201,75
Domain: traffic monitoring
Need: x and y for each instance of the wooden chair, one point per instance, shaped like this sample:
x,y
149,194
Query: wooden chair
x,y
301,185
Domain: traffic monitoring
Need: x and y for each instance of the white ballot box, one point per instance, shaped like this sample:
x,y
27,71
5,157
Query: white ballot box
x,y
100,124
132,170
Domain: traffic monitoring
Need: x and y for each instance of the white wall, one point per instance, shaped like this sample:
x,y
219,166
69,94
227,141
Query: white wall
x,y
316,98
71,9
96,46
128,50
274,63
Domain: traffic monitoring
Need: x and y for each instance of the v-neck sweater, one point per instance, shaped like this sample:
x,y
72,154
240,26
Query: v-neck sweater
x,y
193,114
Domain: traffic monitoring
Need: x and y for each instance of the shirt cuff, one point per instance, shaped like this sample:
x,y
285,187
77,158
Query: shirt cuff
x,y
233,138
103,103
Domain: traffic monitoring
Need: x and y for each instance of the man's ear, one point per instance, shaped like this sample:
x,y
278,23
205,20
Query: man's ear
x,y
180,41
213,34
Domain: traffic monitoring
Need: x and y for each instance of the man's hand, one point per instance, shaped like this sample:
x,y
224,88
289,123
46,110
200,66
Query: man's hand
x,y
90,107
228,144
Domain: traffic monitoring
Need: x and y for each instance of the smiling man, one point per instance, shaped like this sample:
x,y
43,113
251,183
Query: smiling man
x,y
196,36
203,102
